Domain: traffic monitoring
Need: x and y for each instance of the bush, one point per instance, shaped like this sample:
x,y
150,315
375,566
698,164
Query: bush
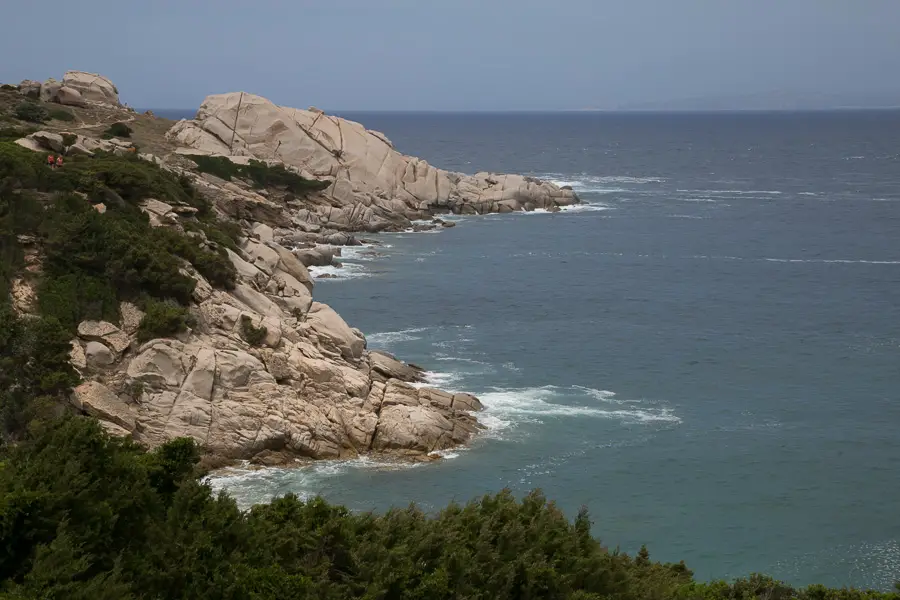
x,y
260,173
252,335
31,111
162,319
214,266
14,133
118,130
34,368
60,114
69,138
9,88
89,516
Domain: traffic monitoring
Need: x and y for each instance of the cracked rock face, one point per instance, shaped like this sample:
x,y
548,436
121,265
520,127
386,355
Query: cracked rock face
x,y
310,389
374,187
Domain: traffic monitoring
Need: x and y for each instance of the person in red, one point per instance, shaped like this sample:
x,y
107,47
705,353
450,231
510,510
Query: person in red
x,y
50,161
58,162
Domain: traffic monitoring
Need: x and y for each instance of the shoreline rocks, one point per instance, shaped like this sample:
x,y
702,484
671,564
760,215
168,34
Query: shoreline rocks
x,y
373,187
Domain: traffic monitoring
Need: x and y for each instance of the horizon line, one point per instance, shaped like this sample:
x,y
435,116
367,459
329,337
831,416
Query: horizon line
x,y
581,110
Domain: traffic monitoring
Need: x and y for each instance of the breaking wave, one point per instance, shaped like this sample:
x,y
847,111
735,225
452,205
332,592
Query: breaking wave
x,y
508,407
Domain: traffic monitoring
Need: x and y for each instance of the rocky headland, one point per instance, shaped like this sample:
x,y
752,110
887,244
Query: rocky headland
x,y
264,372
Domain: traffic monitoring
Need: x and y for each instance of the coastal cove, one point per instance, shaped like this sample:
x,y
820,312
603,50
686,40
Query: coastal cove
x,y
706,357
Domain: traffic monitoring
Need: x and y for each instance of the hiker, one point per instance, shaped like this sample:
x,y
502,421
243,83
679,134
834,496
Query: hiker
x,y
59,162
51,162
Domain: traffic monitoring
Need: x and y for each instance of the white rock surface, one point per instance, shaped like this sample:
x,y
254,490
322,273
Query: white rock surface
x,y
373,186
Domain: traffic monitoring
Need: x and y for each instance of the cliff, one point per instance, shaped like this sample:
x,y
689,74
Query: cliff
x,y
254,368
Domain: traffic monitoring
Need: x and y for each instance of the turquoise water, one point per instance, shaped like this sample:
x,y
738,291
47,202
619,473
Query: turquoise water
x,y
707,356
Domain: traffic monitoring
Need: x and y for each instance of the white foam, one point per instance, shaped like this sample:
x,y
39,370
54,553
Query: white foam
x,y
709,193
360,253
585,207
439,380
387,338
507,407
250,486
599,184
837,261
348,271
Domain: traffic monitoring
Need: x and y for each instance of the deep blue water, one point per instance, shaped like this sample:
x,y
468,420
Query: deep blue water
x,y
708,357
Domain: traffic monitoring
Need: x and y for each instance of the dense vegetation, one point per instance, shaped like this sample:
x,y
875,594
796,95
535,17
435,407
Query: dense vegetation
x,y
259,173
84,516
89,262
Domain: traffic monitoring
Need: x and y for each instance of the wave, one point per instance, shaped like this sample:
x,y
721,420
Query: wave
x,y
250,486
348,271
440,380
847,261
709,193
386,338
507,407
366,252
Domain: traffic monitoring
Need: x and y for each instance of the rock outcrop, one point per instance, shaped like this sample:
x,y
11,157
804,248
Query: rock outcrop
x,y
304,384
373,186
310,389
76,89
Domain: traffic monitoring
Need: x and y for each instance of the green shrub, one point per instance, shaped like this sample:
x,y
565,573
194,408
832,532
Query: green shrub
x,y
69,138
226,234
134,389
14,133
163,319
31,111
260,173
60,114
252,335
118,130
9,88
215,267
34,368
72,297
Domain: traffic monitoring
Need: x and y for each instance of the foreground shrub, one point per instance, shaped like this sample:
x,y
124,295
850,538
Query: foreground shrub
x,y
252,335
118,130
31,111
258,172
162,319
60,114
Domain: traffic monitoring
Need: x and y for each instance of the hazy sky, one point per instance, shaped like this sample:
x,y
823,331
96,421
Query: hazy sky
x,y
459,54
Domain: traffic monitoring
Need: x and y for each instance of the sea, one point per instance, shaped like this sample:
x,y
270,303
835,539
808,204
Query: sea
x,y
705,354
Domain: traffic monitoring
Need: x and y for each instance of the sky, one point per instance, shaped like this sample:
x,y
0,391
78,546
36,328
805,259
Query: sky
x,y
467,54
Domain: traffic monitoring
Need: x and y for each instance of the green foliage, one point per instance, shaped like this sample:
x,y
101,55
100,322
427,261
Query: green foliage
x,y
261,174
11,134
69,138
225,234
215,266
118,130
9,87
61,114
163,319
34,369
252,335
31,111
83,515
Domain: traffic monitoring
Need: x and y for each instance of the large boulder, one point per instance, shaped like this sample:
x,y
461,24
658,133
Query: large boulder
x,y
373,187
93,88
70,96
329,325
98,401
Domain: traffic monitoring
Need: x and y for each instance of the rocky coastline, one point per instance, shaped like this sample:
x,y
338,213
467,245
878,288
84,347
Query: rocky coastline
x,y
265,373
